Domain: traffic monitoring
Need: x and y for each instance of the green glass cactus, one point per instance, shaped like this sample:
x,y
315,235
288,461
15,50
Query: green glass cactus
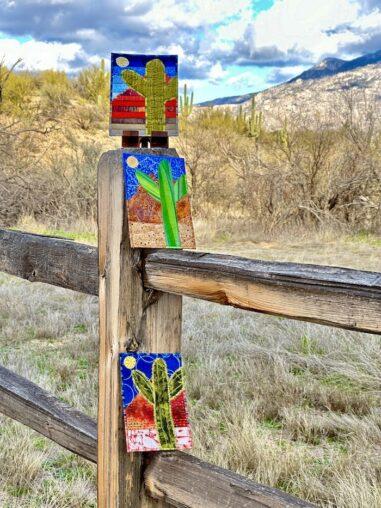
x,y
159,391
255,123
167,193
156,90
186,103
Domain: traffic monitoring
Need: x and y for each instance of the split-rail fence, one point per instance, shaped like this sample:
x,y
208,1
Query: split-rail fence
x,y
140,302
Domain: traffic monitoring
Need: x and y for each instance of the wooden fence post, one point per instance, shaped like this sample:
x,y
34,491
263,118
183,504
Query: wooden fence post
x,y
130,318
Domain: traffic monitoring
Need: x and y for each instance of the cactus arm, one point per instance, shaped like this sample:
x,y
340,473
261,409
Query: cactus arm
x,y
143,385
135,81
180,188
168,205
163,414
176,383
148,185
171,89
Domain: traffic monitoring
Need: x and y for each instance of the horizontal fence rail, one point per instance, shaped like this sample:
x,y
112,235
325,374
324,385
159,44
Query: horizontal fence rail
x,y
333,296
177,478
29,404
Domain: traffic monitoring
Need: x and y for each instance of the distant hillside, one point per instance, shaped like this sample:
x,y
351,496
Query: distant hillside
x,y
332,66
234,99
329,67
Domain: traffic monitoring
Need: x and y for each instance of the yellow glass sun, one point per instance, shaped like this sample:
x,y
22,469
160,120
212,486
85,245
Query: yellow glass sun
x,y
122,61
129,362
132,161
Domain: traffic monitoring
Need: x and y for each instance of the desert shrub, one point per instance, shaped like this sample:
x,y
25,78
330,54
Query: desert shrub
x,y
93,83
56,92
18,93
310,173
88,117
51,77
55,99
52,185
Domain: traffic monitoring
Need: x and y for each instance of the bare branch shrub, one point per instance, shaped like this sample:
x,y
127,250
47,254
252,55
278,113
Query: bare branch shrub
x,y
310,173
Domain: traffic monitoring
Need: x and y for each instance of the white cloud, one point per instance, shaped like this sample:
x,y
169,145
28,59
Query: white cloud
x,y
281,74
40,55
295,30
209,36
216,72
195,13
372,20
247,79
303,25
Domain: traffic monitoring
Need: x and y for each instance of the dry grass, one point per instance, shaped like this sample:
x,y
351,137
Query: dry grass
x,y
361,251
49,336
290,404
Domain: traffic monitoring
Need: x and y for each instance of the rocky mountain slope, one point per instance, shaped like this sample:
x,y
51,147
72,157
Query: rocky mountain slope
x,y
322,91
327,98
332,66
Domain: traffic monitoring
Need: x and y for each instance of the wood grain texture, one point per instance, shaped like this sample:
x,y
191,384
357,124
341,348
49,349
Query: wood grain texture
x,y
183,480
179,478
55,261
130,319
328,295
333,296
29,404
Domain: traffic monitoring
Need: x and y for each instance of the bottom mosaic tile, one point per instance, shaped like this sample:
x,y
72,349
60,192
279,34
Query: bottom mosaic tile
x,y
154,403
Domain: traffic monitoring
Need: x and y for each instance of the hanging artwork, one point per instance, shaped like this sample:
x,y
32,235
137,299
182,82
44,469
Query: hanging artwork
x,y
154,405
159,212
144,90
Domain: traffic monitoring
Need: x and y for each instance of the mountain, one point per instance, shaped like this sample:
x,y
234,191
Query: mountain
x,y
234,99
326,67
332,66
329,67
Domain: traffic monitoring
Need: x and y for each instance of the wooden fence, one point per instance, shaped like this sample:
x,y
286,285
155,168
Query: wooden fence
x,y
140,307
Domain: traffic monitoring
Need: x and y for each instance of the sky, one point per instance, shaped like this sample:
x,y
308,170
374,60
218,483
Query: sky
x,y
225,47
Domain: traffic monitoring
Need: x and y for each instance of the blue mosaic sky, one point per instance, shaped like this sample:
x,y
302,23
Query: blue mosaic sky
x,y
137,63
149,165
144,363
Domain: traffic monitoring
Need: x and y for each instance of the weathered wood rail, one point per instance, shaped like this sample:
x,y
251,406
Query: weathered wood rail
x,y
176,477
333,296
140,307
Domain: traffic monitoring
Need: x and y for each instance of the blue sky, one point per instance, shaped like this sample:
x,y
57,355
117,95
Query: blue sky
x,y
225,47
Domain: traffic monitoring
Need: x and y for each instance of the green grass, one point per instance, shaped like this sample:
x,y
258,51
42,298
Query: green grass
x,y
82,237
309,346
342,382
366,238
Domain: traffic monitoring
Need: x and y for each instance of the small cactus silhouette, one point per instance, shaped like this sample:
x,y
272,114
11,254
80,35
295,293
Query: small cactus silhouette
x,y
159,391
255,123
156,90
186,103
167,193
241,120
284,137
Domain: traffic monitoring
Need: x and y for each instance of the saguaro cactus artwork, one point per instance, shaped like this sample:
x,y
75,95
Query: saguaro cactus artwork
x,y
154,404
144,92
158,204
